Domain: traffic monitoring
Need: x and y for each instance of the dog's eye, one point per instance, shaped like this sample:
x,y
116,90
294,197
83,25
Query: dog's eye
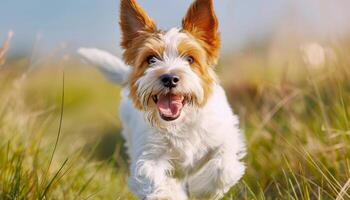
x,y
151,60
190,59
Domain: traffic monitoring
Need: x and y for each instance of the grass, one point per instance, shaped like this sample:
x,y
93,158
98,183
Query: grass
x,y
59,132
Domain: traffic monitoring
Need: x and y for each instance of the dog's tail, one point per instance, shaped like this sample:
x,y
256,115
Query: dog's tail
x,y
111,66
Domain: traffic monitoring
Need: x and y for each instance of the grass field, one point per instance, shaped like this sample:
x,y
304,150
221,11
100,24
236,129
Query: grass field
x,y
60,133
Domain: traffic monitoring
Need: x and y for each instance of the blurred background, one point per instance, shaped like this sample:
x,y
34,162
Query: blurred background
x,y
284,65
51,24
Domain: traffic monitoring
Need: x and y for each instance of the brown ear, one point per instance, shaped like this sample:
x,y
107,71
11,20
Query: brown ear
x,y
133,21
202,23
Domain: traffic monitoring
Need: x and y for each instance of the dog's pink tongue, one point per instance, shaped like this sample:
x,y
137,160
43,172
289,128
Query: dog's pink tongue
x,y
169,105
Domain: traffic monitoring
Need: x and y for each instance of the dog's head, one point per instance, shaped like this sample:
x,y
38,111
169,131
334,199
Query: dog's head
x,y
172,70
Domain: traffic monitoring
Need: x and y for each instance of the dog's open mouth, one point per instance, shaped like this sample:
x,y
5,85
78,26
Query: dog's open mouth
x,y
169,105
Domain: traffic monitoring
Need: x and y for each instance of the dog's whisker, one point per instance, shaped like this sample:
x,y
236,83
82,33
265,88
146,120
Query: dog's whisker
x,y
150,95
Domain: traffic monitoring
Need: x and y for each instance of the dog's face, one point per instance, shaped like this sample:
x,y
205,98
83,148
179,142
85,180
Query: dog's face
x,y
172,70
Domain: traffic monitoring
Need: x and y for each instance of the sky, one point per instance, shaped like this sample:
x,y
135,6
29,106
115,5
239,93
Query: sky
x,y
94,23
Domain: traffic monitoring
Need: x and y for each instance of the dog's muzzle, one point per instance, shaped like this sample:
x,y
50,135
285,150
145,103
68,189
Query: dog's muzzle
x,y
170,104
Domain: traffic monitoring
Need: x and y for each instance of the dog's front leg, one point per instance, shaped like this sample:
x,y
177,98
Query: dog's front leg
x,y
217,176
151,180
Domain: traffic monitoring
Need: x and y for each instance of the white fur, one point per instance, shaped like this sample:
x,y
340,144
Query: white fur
x,y
197,155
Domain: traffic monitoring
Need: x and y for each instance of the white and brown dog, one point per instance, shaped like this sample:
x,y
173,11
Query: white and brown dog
x,y
182,137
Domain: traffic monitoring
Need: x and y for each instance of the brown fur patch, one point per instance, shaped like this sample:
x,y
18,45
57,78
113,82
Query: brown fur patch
x,y
202,23
200,66
147,44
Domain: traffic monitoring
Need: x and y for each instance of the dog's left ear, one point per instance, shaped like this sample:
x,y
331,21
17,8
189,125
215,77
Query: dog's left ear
x,y
202,23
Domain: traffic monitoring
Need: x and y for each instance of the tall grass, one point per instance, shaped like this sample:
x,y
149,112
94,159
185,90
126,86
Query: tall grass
x,y
34,162
5,47
59,137
297,126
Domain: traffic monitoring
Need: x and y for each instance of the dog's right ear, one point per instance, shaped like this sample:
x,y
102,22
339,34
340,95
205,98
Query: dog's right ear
x,y
133,21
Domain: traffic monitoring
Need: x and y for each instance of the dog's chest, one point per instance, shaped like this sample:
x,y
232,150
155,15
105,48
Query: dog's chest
x,y
189,155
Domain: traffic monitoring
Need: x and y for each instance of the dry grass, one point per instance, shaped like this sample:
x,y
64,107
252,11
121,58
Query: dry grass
x,y
5,47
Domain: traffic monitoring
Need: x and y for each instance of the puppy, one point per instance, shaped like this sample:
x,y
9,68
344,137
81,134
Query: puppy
x,y
182,137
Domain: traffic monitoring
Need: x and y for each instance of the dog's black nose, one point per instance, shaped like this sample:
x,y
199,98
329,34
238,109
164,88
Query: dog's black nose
x,y
169,80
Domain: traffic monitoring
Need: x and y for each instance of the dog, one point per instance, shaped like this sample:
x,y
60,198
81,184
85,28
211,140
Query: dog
x,y
182,137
